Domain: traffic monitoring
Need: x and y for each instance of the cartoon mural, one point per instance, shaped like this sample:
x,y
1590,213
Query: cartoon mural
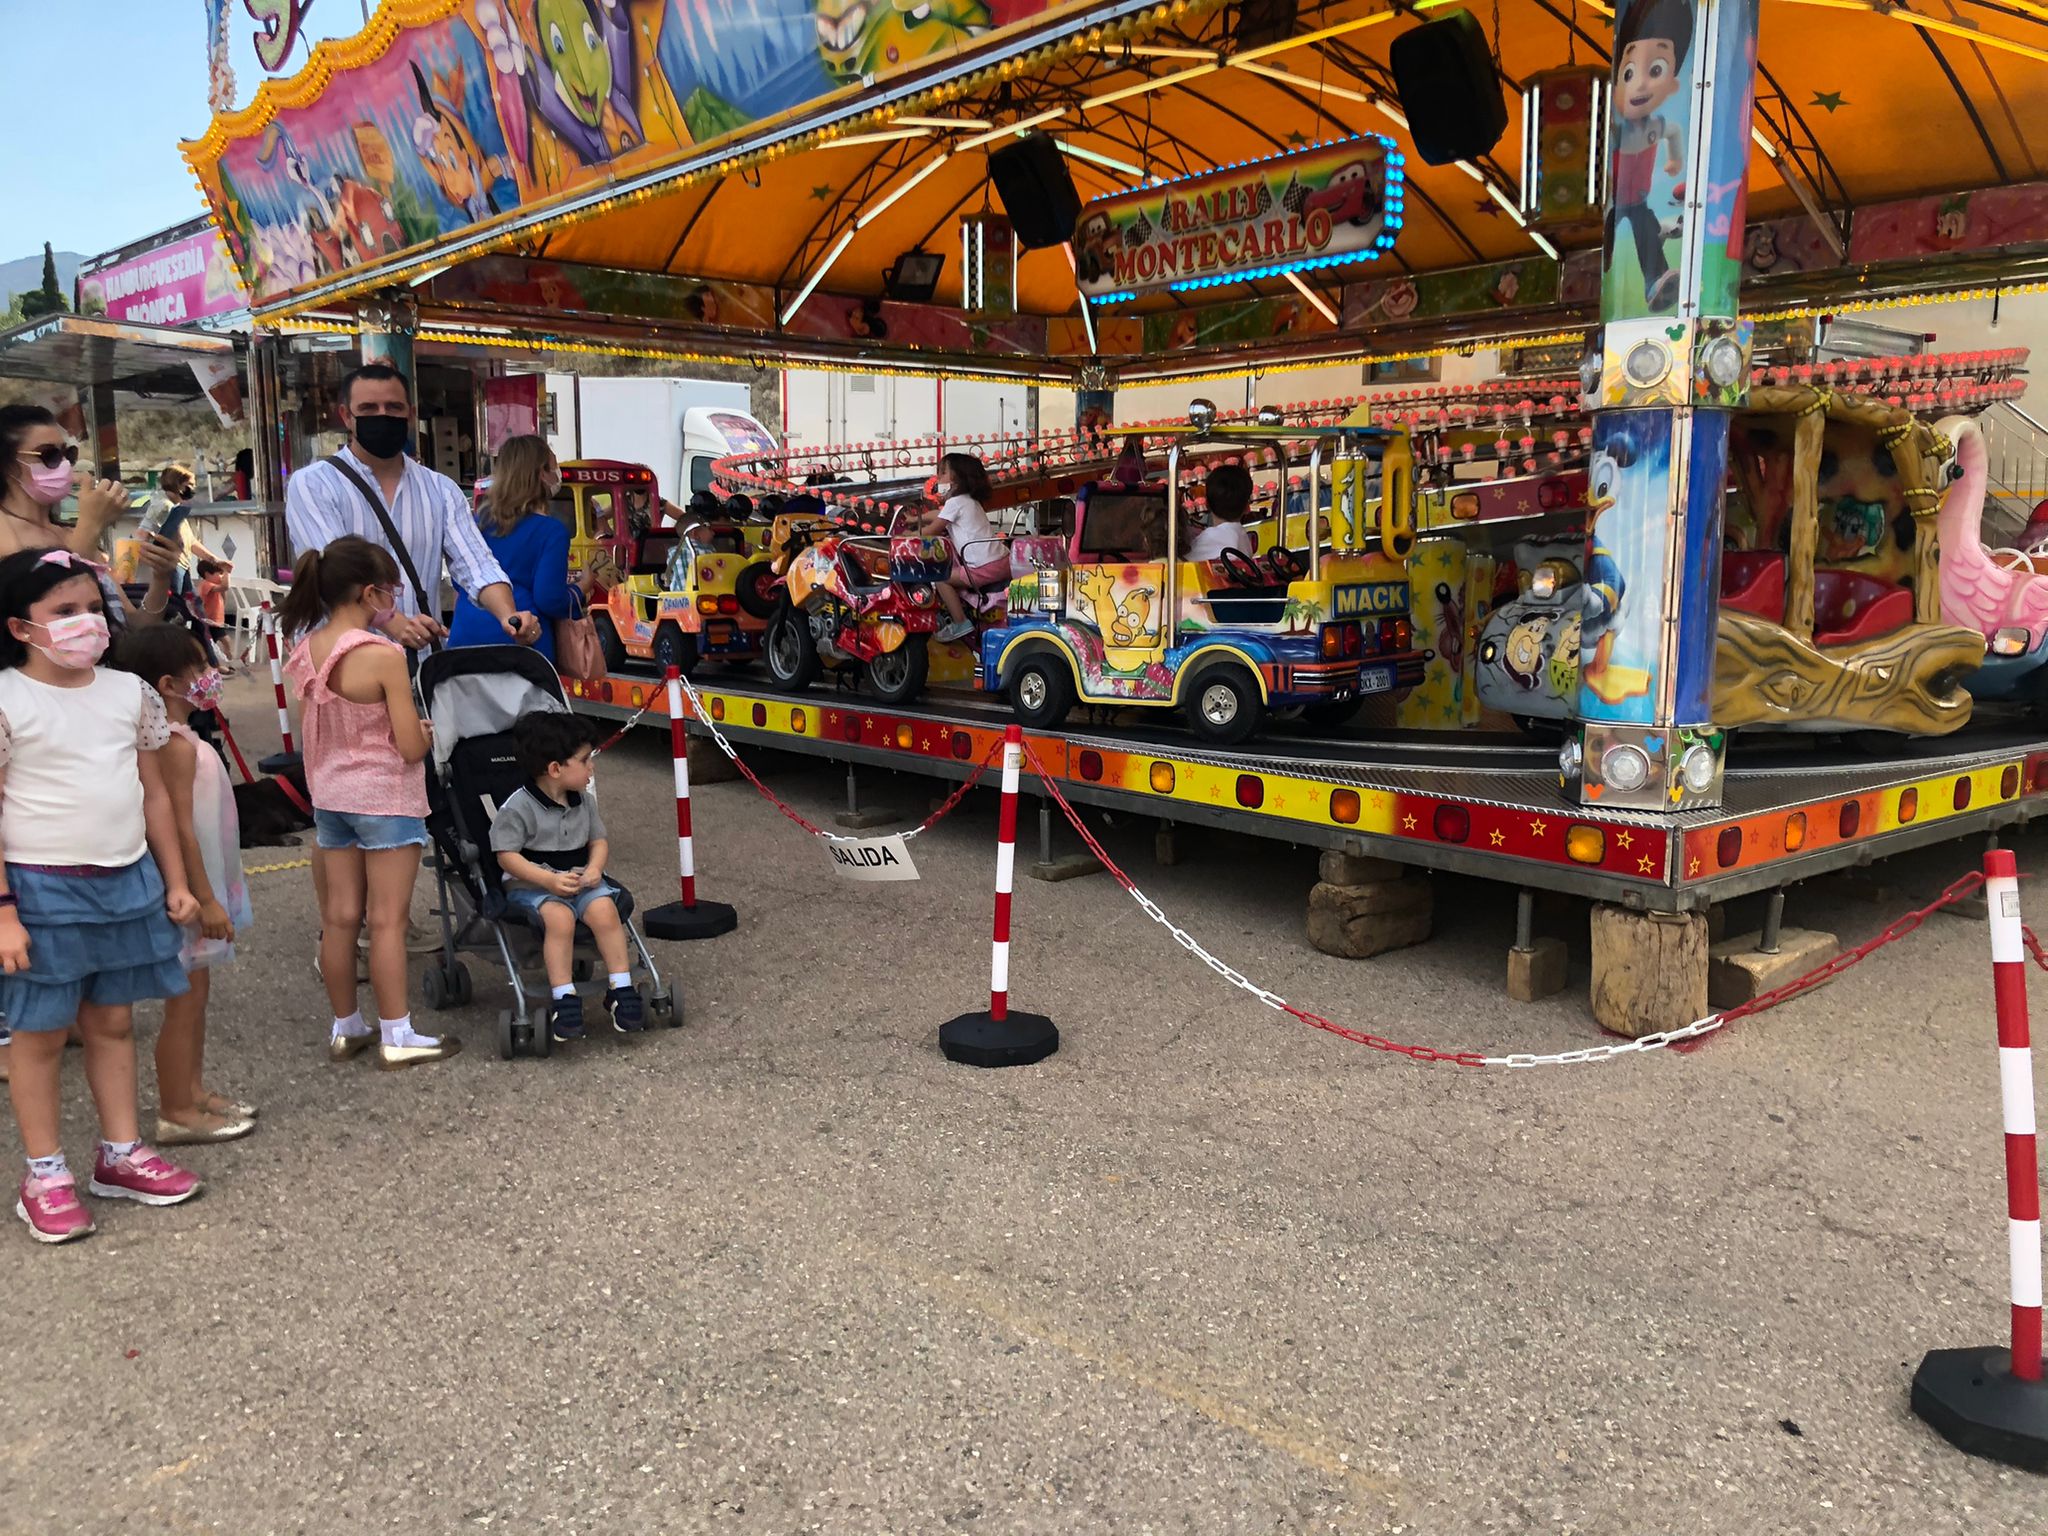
x,y
491,105
1436,574
1647,134
1618,657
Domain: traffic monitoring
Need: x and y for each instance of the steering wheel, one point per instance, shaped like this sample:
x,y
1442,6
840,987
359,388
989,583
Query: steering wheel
x,y
1240,568
1287,565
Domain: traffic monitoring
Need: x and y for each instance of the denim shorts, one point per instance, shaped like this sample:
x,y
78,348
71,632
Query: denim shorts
x,y
527,899
372,834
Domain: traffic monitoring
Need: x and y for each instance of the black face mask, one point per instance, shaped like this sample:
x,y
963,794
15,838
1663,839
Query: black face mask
x,y
383,437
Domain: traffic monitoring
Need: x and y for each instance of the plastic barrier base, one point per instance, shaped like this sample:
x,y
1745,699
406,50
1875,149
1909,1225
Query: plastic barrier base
x,y
982,1040
672,920
1972,1398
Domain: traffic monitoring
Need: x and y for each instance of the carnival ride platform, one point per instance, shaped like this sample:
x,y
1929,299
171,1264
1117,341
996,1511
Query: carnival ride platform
x,y
1488,806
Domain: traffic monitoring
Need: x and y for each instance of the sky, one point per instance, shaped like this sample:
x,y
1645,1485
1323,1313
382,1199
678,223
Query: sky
x,y
103,110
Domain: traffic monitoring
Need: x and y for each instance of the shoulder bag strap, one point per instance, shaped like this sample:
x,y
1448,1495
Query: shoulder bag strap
x,y
398,549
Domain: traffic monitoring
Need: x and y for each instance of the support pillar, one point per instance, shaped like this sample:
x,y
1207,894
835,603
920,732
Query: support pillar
x,y
106,434
1672,364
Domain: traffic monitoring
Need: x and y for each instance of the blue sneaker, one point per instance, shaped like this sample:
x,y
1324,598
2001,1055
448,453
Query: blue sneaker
x,y
565,1018
629,1014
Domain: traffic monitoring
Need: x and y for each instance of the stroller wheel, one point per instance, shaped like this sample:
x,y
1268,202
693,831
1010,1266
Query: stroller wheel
x,y
508,1041
435,989
459,989
663,1005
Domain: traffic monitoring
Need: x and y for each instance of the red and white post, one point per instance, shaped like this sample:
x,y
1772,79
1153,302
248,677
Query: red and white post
x,y
1000,1038
688,918
1992,1402
289,756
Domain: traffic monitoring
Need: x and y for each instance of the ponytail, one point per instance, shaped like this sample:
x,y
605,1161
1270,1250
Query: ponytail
x,y
324,579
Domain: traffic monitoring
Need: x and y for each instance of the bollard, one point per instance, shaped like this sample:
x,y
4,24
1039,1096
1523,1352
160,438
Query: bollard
x,y
688,918
998,1036
277,762
1992,1402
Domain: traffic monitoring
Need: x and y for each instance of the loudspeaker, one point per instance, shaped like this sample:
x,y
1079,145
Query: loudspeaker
x,y
1450,94
1037,193
1264,21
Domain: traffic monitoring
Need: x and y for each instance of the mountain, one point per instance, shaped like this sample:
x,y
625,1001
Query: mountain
x,y
20,276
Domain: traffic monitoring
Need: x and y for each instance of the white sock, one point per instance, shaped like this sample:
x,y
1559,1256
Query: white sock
x,y
566,989
400,1032
621,979
351,1026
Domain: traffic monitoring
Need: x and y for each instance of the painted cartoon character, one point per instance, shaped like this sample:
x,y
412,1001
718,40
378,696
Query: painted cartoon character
x,y
453,159
575,64
1562,673
1450,626
1604,584
1133,622
1651,43
857,38
1094,245
1523,653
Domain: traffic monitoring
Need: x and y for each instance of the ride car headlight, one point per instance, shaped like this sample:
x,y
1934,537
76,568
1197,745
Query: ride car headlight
x,y
1543,583
2009,642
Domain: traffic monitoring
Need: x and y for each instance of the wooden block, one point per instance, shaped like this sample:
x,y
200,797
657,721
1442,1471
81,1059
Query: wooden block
x,y
1538,971
708,765
1738,972
1649,970
1358,921
1340,868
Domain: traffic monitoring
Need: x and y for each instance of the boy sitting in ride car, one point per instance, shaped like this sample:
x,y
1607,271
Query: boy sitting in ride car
x,y
551,844
1229,495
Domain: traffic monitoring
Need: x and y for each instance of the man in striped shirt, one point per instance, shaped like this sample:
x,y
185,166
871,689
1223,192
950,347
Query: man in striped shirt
x,y
428,509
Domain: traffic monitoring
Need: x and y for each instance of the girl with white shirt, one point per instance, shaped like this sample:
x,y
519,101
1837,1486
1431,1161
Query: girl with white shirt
x,y
980,559
93,885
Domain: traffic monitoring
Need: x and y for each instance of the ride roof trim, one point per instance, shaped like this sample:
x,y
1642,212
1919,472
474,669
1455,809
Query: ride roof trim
x,y
738,207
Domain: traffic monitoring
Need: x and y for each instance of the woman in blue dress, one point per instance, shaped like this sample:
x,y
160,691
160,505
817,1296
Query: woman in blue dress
x,y
530,546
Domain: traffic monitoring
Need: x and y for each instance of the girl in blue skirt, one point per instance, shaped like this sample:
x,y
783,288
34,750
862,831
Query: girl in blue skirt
x,y
88,918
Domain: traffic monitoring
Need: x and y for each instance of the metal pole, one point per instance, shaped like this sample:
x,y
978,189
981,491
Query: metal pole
x,y
1525,920
1774,918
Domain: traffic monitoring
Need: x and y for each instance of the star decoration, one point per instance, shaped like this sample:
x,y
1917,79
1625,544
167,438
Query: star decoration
x,y
820,194
1624,839
1407,823
1538,827
1296,139
1645,864
1486,207
1692,868
1828,100
1498,837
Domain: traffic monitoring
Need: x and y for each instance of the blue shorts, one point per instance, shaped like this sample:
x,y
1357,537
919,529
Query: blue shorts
x,y
373,834
527,899
101,938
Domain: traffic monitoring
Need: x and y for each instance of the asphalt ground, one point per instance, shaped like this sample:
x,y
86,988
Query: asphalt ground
x,y
785,1269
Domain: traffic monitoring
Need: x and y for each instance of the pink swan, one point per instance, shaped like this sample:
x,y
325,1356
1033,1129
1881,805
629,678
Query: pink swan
x,y
1977,592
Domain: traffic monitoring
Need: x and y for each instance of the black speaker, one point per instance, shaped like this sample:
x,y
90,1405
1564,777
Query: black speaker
x,y
1450,94
1037,193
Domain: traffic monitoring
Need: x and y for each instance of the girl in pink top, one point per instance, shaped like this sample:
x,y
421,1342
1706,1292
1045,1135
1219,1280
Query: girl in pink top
x,y
362,740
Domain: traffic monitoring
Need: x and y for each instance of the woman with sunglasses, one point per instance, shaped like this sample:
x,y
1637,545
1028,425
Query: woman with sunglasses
x,y
38,469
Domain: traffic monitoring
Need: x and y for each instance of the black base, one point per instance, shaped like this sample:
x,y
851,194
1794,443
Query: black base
x,y
673,920
280,762
1972,1398
978,1040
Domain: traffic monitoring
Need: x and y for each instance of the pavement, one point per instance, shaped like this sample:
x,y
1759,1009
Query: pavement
x,y
785,1269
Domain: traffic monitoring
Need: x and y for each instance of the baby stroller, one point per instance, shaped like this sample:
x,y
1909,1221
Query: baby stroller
x,y
473,696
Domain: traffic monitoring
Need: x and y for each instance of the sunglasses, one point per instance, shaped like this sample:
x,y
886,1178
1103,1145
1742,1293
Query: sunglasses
x,y
50,455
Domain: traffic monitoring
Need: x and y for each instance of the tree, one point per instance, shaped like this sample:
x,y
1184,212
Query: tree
x,y
48,299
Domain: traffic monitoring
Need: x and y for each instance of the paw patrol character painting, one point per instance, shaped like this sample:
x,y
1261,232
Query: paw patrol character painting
x,y
1651,43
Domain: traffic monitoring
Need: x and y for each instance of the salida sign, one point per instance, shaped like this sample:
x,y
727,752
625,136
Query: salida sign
x,y
872,858
1324,206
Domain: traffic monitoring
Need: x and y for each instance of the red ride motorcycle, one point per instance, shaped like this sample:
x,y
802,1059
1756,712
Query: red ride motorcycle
x,y
855,600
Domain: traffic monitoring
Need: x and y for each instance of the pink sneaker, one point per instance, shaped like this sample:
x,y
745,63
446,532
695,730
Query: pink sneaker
x,y
52,1211
142,1175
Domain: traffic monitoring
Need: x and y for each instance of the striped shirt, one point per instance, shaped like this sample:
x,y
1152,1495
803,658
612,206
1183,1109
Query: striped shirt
x,y
429,512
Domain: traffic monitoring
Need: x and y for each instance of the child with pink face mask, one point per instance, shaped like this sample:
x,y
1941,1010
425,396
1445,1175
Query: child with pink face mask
x,y
170,660
92,884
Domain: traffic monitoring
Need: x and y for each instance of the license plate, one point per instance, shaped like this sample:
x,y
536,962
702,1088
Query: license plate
x,y
1377,679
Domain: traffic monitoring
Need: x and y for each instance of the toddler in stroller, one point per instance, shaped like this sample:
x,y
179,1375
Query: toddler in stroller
x,y
482,700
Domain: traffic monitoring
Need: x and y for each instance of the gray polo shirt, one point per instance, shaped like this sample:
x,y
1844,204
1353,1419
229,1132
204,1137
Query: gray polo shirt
x,y
555,836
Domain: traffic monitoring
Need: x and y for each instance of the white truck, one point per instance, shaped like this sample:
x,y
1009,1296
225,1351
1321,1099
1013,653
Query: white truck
x,y
677,427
